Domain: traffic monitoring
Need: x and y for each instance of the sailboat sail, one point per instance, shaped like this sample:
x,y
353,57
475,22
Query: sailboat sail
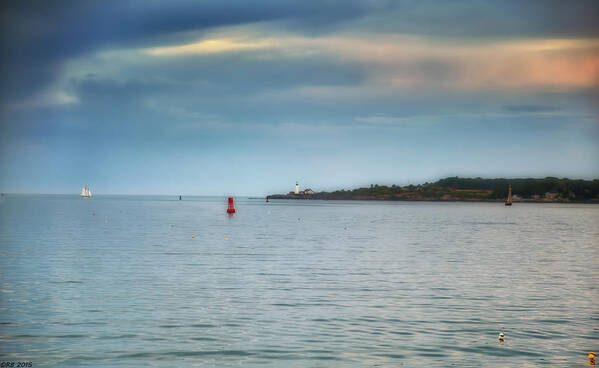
x,y
508,201
85,192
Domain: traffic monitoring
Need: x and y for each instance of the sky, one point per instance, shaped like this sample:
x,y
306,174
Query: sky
x,y
248,97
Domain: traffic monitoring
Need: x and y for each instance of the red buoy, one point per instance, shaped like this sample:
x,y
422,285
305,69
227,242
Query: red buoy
x,y
231,208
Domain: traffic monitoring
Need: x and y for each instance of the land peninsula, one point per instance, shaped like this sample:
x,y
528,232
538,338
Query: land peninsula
x,y
469,189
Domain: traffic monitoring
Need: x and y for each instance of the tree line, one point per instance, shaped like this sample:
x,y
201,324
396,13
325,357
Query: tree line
x,y
571,189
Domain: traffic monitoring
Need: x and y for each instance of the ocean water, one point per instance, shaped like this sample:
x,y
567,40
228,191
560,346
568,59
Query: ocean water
x,y
157,282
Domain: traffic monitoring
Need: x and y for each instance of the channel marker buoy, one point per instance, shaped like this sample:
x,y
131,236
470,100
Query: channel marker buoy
x,y
231,208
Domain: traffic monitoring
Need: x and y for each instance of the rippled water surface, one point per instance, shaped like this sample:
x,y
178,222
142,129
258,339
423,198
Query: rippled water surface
x,y
152,281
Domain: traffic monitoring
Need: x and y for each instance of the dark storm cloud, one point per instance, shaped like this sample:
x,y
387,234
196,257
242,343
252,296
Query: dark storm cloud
x,y
228,86
37,35
66,27
508,18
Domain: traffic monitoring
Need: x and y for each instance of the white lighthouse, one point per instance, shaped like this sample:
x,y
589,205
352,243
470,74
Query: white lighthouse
x,y
296,187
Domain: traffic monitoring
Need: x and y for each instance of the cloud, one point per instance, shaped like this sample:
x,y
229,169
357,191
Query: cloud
x,y
424,62
38,37
52,96
208,47
486,19
537,112
245,72
382,119
530,108
346,64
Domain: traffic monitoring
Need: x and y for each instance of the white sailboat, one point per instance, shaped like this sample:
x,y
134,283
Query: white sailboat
x,y
85,192
508,201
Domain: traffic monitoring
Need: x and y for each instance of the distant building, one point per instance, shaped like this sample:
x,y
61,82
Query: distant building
x,y
305,191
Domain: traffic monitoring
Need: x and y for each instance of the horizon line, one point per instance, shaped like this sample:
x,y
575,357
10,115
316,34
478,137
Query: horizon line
x,y
332,190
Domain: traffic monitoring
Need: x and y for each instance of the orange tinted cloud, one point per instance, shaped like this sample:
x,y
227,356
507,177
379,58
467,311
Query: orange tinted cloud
x,y
411,61
414,62
209,46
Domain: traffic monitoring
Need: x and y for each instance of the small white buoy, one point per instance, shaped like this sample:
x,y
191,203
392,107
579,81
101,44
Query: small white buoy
x,y
501,337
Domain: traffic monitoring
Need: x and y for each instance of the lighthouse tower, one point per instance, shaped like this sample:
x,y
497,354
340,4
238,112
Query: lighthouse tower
x,y
296,187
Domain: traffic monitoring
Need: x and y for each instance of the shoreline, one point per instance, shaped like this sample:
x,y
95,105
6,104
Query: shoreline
x,y
456,189
312,197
